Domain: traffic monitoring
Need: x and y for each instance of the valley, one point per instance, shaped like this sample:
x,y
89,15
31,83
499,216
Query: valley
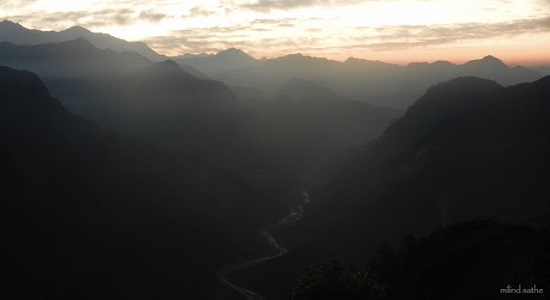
x,y
130,174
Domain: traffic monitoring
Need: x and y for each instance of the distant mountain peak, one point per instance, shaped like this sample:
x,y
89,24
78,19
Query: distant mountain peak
x,y
352,59
77,29
169,64
232,50
9,23
443,63
167,67
295,55
491,58
234,53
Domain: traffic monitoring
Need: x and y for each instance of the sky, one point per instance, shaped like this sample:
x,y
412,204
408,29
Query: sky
x,y
398,31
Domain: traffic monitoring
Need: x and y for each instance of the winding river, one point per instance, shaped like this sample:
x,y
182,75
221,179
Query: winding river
x,y
296,213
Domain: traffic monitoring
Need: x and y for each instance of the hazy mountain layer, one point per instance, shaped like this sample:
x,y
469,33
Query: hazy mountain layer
x,y
273,143
16,34
87,213
374,82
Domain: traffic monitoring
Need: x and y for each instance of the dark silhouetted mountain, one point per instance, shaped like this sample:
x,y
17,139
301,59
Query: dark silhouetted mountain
x,y
229,59
480,259
87,213
470,260
466,149
16,34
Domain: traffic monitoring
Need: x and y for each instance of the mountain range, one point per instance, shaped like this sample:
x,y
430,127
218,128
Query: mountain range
x,y
271,144
17,34
374,82
126,174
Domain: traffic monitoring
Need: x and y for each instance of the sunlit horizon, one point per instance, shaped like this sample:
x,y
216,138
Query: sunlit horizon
x,y
395,31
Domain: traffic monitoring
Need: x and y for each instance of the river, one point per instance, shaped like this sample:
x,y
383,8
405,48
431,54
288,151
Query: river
x,y
295,214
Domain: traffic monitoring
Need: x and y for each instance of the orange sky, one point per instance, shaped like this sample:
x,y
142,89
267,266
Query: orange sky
x,y
398,31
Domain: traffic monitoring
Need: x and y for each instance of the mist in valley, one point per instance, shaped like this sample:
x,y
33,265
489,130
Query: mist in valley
x,y
131,174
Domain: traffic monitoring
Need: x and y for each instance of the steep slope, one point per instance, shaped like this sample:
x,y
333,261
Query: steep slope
x,y
468,148
87,213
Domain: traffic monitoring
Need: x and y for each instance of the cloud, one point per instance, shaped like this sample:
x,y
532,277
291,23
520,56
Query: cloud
x,y
151,16
406,37
12,4
89,19
198,11
268,5
311,39
286,22
215,39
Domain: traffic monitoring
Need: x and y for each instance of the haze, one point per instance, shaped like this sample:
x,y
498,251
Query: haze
x,y
397,31
390,150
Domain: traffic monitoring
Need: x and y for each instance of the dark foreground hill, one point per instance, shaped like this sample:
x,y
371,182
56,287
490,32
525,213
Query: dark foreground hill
x,y
467,149
89,214
479,259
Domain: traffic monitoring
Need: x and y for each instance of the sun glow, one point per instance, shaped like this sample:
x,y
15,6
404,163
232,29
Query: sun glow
x,y
367,29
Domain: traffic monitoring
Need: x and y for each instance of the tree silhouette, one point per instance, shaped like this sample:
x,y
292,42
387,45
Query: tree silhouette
x,y
336,279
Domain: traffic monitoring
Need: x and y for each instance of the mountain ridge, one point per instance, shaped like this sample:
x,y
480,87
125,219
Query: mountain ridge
x,y
84,206
18,34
